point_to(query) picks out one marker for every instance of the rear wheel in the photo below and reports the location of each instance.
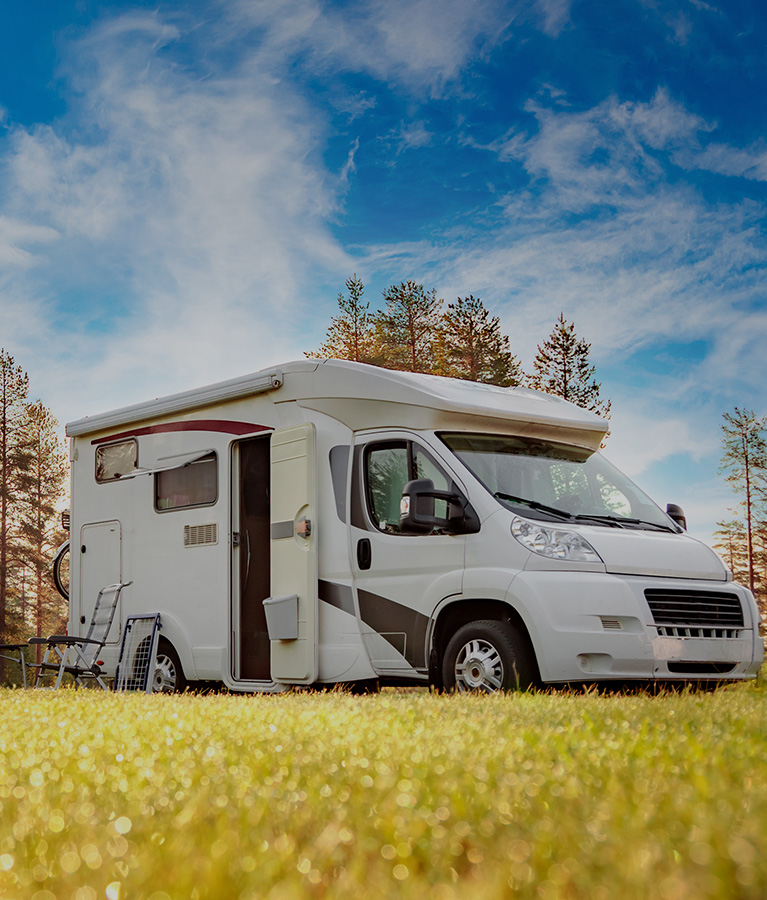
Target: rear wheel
(486, 657)
(168, 675)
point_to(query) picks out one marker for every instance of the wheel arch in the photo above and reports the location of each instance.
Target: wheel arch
(172, 631)
(460, 612)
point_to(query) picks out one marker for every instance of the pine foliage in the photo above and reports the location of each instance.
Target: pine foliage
(470, 345)
(351, 334)
(407, 327)
(744, 465)
(33, 469)
(14, 384)
(40, 530)
(561, 367)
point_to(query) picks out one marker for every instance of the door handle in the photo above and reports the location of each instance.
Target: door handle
(364, 553)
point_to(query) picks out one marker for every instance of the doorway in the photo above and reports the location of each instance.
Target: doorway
(254, 560)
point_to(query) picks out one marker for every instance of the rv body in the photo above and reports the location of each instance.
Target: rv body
(264, 519)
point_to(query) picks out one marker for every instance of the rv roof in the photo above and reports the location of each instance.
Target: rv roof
(364, 396)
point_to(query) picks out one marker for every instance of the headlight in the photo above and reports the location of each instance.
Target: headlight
(553, 542)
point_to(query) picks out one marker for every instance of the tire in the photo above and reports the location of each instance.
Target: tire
(168, 675)
(486, 657)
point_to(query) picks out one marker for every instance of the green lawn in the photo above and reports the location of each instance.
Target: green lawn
(401, 795)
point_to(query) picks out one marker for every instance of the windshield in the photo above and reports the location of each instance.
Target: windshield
(552, 481)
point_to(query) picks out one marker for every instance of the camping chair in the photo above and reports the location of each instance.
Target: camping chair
(76, 656)
(138, 654)
(6, 649)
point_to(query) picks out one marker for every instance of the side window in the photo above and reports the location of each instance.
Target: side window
(195, 484)
(426, 467)
(388, 468)
(115, 460)
(386, 473)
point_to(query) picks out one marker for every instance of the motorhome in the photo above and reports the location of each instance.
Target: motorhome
(325, 522)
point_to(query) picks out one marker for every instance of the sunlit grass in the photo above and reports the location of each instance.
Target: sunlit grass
(395, 795)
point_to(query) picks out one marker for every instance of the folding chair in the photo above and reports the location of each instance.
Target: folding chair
(6, 649)
(76, 656)
(138, 654)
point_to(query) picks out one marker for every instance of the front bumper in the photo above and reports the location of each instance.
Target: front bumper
(588, 626)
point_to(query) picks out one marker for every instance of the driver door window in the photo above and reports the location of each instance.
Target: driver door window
(388, 468)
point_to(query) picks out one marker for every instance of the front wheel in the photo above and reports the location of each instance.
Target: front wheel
(168, 675)
(487, 656)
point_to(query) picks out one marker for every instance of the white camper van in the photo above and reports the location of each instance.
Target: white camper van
(326, 521)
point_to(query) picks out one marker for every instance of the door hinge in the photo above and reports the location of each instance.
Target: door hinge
(235, 538)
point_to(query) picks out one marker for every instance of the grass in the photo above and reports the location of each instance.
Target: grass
(407, 795)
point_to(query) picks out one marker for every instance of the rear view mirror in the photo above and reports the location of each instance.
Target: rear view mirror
(676, 514)
(417, 510)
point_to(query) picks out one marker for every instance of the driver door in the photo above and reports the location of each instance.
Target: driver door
(399, 578)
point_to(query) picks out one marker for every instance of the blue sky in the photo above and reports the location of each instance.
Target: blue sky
(184, 188)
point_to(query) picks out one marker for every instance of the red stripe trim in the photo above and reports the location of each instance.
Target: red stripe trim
(223, 426)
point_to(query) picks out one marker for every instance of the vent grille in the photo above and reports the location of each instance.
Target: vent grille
(686, 631)
(200, 535)
(611, 624)
(695, 613)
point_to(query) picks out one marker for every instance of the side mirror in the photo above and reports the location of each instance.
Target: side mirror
(676, 514)
(417, 510)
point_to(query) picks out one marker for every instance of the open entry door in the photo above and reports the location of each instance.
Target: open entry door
(293, 602)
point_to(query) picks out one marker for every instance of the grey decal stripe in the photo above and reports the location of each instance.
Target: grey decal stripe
(338, 595)
(281, 530)
(388, 617)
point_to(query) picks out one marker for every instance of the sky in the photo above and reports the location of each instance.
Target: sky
(186, 186)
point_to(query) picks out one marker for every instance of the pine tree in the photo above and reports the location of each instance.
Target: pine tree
(760, 565)
(561, 367)
(744, 460)
(42, 488)
(407, 328)
(351, 334)
(731, 542)
(470, 345)
(14, 384)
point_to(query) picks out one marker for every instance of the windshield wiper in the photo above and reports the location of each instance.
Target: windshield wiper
(620, 520)
(534, 504)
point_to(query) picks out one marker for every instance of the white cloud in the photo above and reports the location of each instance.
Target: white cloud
(412, 135)
(16, 236)
(424, 46)
(748, 162)
(209, 197)
(643, 434)
(642, 259)
(555, 15)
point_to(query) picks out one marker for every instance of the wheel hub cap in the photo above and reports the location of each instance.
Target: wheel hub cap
(478, 667)
(164, 676)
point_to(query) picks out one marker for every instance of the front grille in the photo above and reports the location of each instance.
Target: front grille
(694, 611)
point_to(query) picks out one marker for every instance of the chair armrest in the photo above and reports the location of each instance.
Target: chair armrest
(13, 646)
(68, 639)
